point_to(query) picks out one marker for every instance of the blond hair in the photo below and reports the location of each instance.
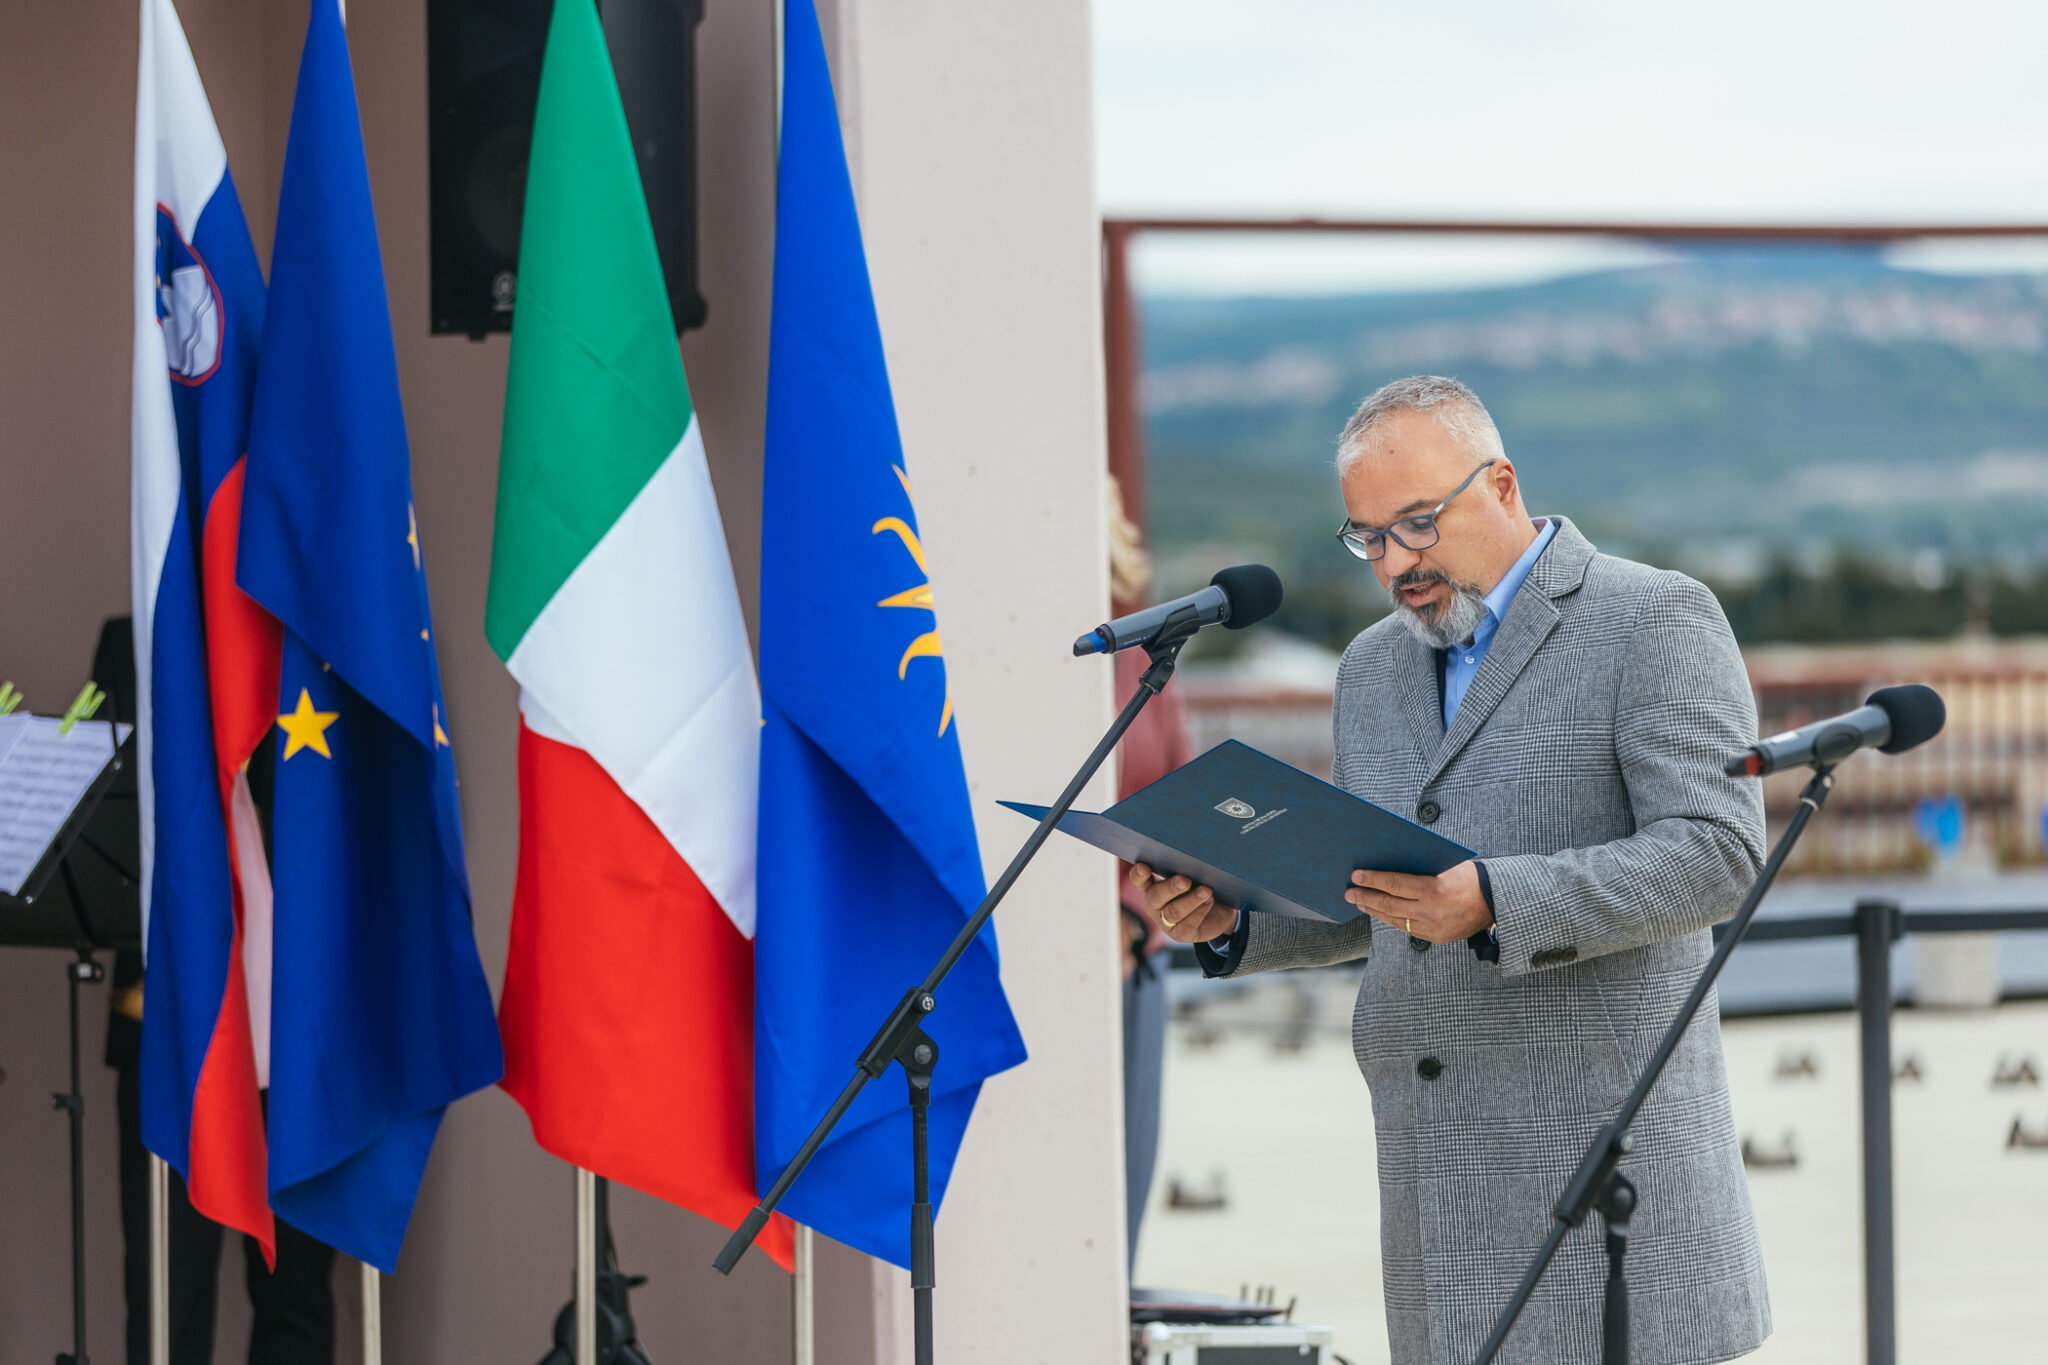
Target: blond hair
(1130, 568)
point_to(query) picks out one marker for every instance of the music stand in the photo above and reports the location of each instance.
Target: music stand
(74, 898)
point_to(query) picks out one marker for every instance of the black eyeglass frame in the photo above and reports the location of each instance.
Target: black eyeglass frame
(1355, 538)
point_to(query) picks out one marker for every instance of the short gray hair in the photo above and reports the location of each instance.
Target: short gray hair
(1456, 407)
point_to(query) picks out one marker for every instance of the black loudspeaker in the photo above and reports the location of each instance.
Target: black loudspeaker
(654, 51)
(483, 77)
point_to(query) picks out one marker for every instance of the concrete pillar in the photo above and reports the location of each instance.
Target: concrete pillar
(972, 135)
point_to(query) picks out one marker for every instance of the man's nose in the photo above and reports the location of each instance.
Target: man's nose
(1398, 559)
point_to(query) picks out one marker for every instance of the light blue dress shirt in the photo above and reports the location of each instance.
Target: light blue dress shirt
(1461, 663)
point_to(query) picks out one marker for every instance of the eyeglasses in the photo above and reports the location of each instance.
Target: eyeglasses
(1418, 532)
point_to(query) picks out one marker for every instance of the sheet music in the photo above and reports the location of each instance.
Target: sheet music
(43, 776)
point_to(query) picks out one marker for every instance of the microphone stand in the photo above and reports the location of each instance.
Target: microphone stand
(902, 1040)
(1599, 1183)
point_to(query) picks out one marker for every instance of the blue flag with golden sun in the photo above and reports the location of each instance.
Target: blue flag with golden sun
(867, 860)
(380, 1013)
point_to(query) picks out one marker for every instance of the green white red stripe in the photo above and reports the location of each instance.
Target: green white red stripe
(628, 1004)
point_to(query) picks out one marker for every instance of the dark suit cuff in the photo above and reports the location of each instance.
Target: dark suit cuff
(1222, 963)
(1485, 946)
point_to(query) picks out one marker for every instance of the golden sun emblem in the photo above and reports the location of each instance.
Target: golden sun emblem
(925, 646)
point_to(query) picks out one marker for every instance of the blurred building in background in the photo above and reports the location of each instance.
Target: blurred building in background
(1977, 795)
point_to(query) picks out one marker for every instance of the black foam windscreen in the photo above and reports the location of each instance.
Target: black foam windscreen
(1254, 593)
(1916, 712)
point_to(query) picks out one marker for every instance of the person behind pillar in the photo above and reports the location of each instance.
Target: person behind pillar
(1154, 746)
(292, 1309)
(1564, 713)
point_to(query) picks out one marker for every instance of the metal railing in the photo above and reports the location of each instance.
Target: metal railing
(1876, 925)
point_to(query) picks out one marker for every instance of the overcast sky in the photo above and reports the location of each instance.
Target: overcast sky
(1897, 110)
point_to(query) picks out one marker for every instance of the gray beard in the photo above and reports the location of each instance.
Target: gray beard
(1450, 624)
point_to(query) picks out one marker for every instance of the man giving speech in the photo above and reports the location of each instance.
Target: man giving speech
(1565, 713)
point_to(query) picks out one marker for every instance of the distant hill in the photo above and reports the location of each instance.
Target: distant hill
(1716, 412)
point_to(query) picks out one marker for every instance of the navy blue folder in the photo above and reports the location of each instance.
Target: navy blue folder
(1262, 833)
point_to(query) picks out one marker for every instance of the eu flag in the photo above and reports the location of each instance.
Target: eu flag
(381, 1014)
(868, 864)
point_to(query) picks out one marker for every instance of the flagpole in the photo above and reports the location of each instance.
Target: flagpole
(373, 1315)
(586, 1267)
(804, 1286)
(803, 1283)
(159, 1261)
(373, 1286)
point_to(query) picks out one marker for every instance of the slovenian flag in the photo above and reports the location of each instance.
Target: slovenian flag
(206, 657)
(628, 999)
(382, 1016)
(868, 862)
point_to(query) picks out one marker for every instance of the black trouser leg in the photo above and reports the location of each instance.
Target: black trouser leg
(294, 1306)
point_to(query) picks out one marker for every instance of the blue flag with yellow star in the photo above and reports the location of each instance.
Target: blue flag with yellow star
(380, 1013)
(867, 862)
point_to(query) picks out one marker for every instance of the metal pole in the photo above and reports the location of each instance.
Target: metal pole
(373, 1315)
(923, 1271)
(804, 1288)
(586, 1267)
(1877, 928)
(1856, 233)
(73, 1104)
(159, 1261)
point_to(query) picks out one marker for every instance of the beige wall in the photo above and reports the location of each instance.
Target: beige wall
(67, 114)
(972, 136)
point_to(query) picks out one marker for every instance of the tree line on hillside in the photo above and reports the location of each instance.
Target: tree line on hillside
(1851, 598)
(1856, 598)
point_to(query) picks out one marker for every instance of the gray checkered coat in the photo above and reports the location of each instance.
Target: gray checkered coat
(1584, 766)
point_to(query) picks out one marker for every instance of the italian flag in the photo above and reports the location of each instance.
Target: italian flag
(628, 1005)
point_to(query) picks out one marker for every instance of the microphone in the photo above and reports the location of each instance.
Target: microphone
(1235, 598)
(1891, 720)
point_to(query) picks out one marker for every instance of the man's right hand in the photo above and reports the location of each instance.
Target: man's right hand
(1189, 913)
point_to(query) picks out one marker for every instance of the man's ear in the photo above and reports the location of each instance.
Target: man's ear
(1505, 485)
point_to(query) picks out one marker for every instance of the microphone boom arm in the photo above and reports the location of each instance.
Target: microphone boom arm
(901, 1039)
(1600, 1167)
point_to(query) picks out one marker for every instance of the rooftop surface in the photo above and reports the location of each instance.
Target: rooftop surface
(1290, 1131)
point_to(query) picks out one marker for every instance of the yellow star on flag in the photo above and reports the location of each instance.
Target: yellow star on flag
(305, 728)
(412, 534)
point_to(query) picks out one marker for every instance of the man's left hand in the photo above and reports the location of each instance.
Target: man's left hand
(1447, 908)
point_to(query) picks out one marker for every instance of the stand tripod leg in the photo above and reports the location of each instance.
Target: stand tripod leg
(919, 1056)
(1617, 1201)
